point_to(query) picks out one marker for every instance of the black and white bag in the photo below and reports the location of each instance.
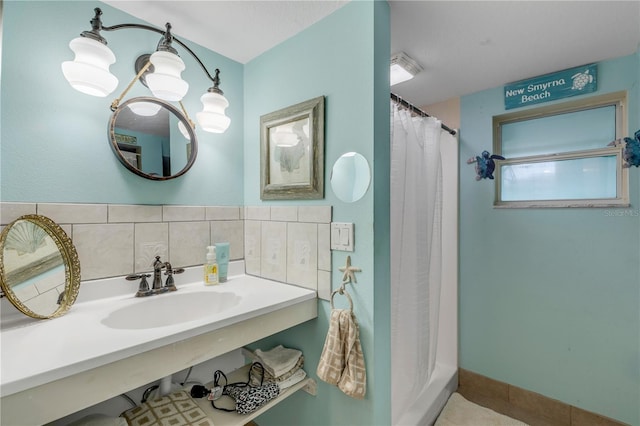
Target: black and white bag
(247, 398)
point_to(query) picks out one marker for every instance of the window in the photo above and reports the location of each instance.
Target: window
(558, 155)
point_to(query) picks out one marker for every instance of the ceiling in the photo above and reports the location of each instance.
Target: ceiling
(463, 46)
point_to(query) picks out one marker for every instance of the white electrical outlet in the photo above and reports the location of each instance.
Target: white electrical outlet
(342, 236)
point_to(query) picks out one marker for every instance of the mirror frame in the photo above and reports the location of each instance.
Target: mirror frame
(69, 257)
(116, 150)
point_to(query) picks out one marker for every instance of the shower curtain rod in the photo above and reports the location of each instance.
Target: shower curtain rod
(418, 111)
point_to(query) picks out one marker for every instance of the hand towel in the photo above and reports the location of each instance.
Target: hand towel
(342, 361)
(257, 376)
(278, 360)
(296, 377)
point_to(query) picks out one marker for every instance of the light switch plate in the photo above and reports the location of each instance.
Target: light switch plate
(342, 236)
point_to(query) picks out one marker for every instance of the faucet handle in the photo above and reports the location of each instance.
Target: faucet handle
(143, 288)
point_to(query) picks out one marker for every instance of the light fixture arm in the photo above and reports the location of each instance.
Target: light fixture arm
(96, 27)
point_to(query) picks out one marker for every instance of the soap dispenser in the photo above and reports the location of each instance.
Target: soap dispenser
(211, 267)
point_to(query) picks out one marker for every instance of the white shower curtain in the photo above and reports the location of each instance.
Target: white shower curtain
(416, 253)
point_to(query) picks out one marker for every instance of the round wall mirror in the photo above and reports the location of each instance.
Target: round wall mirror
(152, 138)
(39, 267)
(350, 177)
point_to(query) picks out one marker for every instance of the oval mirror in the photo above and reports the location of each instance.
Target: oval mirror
(39, 267)
(152, 138)
(350, 177)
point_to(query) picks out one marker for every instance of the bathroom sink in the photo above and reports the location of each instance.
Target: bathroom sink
(169, 309)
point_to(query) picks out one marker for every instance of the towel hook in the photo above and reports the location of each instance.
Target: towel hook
(342, 291)
(349, 273)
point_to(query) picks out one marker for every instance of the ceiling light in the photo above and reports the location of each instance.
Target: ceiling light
(403, 68)
(89, 71)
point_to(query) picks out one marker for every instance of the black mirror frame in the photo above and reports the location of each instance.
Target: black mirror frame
(172, 109)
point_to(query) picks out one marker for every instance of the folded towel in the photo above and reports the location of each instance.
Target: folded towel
(258, 376)
(342, 361)
(278, 360)
(296, 377)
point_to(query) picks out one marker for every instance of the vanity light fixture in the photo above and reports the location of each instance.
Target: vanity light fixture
(403, 68)
(160, 72)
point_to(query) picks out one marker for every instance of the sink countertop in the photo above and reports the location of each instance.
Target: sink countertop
(79, 341)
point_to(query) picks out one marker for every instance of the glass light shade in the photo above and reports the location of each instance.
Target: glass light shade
(212, 118)
(165, 81)
(89, 71)
(146, 109)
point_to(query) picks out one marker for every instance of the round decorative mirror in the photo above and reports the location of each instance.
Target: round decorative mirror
(39, 267)
(152, 138)
(350, 177)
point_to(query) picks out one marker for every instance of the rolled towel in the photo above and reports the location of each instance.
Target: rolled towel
(278, 360)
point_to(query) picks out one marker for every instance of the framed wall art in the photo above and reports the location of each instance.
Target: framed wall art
(292, 152)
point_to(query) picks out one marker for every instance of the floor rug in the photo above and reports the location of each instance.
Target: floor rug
(460, 412)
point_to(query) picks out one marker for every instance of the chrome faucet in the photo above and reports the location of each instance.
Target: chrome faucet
(157, 286)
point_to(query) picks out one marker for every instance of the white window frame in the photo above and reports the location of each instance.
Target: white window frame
(617, 99)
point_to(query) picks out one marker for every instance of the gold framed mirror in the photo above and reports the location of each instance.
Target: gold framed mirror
(39, 267)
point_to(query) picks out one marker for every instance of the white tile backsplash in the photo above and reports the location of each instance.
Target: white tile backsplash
(302, 254)
(11, 211)
(285, 243)
(252, 246)
(134, 213)
(105, 250)
(284, 214)
(222, 213)
(151, 240)
(182, 213)
(324, 247)
(232, 232)
(318, 214)
(74, 213)
(188, 243)
(257, 213)
(273, 264)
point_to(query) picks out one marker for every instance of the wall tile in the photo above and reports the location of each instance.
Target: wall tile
(324, 285)
(273, 264)
(188, 243)
(134, 213)
(151, 240)
(182, 213)
(302, 254)
(74, 213)
(105, 250)
(222, 213)
(257, 213)
(11, 211)
(252, 246)
(317, 214)
(231, 231)
(284, 213)
(324, 247)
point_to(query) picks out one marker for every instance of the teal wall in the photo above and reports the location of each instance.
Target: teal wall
(345, 58)
(54, 148)
(54, 145)
(550, 298)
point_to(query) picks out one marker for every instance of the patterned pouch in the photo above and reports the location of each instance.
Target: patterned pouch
(248, 398)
